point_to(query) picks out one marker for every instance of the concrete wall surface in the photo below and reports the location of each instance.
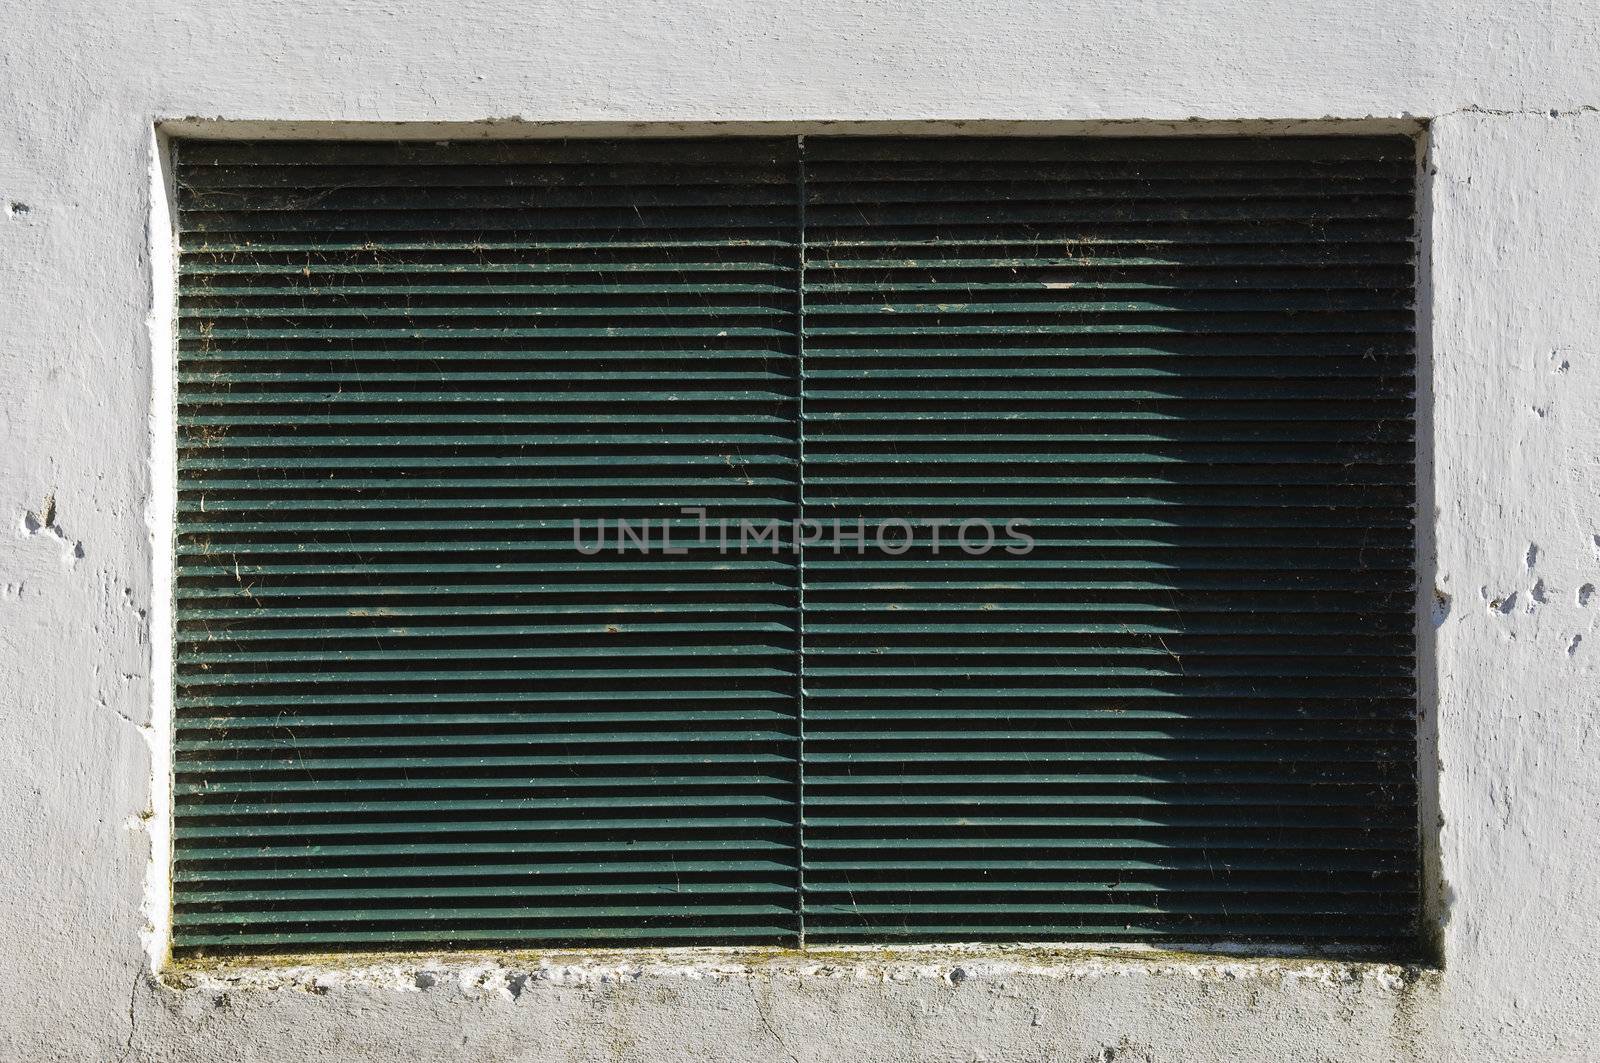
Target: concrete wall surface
(1510, 92)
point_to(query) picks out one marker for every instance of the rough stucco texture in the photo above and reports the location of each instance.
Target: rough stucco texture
(1510, 649)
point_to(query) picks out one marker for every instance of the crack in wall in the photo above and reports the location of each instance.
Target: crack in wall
(1553, 112)
(133, 1020)
(766, 1024)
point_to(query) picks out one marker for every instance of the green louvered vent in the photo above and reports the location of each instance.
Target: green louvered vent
(1188, 711)
(411, 713)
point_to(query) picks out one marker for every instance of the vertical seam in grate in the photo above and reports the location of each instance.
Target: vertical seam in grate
(800, 561)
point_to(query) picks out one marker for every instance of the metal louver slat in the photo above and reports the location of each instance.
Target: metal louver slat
(409, 712)
(1187, 712)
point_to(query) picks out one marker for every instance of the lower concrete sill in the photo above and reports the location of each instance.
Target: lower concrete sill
(509, 974)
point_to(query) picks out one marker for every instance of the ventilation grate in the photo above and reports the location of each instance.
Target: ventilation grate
(410, 713)
(1187, 709)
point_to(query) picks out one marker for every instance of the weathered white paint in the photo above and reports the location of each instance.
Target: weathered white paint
(161, 514)
(1511, 88)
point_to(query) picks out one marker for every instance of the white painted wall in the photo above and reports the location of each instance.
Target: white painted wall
(1511, 87)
